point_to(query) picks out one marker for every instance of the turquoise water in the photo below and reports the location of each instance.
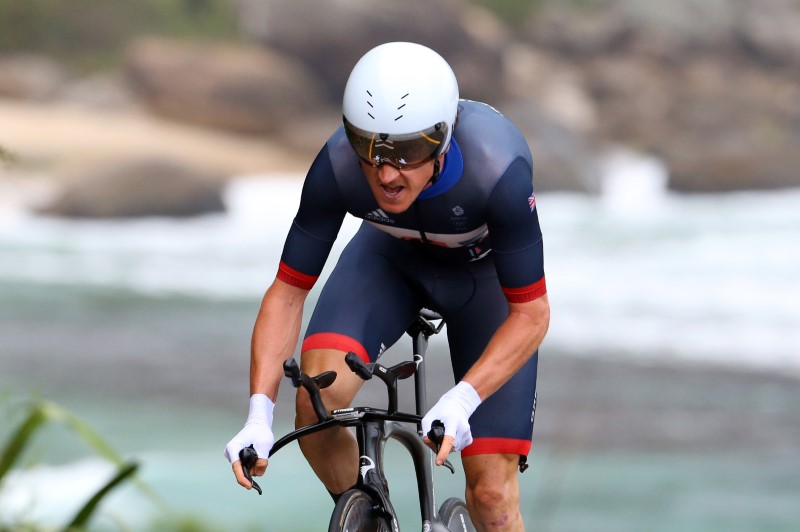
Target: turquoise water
(562, 491)
(162, 378)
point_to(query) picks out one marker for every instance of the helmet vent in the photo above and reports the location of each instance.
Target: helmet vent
(402, 98)
(371, 106)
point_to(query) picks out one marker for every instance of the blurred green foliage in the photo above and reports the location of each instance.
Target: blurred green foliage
(512, 12)
(28, 421)
(6, 157)
(43, 413)
(90, 34)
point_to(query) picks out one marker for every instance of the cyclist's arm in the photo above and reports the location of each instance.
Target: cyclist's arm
(275, 336)
(277, 327)
(305, 252)
(512, 345)
(513, 221)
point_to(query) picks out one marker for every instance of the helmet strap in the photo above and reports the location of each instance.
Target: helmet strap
(435, 177)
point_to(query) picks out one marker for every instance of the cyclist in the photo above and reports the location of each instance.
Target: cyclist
(444, 187)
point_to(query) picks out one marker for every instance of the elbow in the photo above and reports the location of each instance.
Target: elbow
(543, 314)
(535, 314)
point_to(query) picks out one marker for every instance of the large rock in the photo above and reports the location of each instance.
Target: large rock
(719, 123)
(599, 27)
(153, 187)
(329, 36)
(238, 88)
(707, 86)
(30, 76)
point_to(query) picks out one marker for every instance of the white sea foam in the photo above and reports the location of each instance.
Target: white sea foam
(711, 278)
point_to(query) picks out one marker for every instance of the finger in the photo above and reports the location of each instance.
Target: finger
(239, 474)
(445, 449)
(427, 441)
(260, 468)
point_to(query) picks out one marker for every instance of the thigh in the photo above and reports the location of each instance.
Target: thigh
(367, 302)
(503, 423)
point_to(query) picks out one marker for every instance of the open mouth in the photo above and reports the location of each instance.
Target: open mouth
(392, 192)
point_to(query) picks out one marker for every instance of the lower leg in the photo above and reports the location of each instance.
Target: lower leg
(493, 492)
(331, 453)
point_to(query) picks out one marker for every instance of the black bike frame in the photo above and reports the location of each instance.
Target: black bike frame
(374, 427)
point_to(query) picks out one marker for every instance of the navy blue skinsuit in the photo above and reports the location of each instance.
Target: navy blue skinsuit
(468, 245)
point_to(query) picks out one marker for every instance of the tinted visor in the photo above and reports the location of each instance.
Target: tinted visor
(403, 151)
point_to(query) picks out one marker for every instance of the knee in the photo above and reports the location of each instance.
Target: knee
(498, 499)
(339, 394)
(331, 399)
(493, 492)
(304, 409)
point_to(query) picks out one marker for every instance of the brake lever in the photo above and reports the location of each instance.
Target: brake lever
(436, 435)
(248, 456)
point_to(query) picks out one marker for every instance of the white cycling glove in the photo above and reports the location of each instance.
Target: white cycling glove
(453, 410)
(257, 430)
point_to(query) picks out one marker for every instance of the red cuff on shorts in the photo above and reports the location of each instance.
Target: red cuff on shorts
(335, 341)
(497, 446)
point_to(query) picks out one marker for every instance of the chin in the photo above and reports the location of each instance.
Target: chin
(394, 208)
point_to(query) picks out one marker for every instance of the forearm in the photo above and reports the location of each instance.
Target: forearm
(512, 345)
(275, 336)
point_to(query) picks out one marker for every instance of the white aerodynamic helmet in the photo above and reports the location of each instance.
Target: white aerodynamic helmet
(400, 105)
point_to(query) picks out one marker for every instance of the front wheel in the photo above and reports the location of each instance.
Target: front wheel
(455, 517)
(356, 511)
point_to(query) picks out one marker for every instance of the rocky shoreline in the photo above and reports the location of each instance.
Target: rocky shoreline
(711, 90)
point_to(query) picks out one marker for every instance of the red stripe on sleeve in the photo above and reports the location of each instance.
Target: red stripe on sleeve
(497, 446)
(524, 294)
(335, 341)
(290, 276)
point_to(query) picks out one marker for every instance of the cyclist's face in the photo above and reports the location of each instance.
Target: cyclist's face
(395, 189)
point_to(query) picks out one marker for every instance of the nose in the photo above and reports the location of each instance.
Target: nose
(387, 173)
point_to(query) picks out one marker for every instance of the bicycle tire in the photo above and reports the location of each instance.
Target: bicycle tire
(454, 515)
(356, 512)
